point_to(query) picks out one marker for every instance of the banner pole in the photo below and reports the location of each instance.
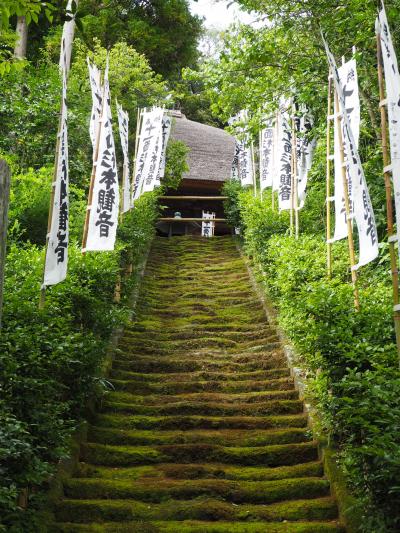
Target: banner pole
(347, 207)
(93, 175)
(388, 190)
(328, 180)
(260, 161)
(254, 168)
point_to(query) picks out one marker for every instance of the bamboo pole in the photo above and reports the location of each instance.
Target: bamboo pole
(254, 168)
(93, 175)
(328, 181)
(260, 160)
(389, 198)
(352, 255)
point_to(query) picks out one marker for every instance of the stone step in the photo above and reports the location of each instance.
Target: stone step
(244, 438)
(274, 455)
(186, 422)
(182, 387)
(201, 527)
(121, 365)
(256, 492)
(206, 509)
(165, 471)
(271, 407)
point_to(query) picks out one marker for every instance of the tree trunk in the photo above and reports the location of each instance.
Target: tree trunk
(22, 38)
(4, 197)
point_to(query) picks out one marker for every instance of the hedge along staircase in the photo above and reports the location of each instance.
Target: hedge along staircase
(204, 431)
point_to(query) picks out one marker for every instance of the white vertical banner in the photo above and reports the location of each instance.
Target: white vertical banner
(150, 143)
(392, 81)
(97, 98)
(275, 169)
(284, 160)
(123, 125)
(305, 152)
(267, 150)
(362, 207)
(68, 37)
(208, 226)
(104, 210)
(57, 245)
(166, 132)
(235, 162)
(348, 78)
(246, 171)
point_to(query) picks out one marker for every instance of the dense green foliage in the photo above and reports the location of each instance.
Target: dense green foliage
(349, 356)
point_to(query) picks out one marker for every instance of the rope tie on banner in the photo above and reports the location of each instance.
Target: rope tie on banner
(388, 168)
(396, 308)
(383, 102)
(393, 238)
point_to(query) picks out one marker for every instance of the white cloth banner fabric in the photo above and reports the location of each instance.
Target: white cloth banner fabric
(208, 226)
(305, 146)
(235, 162)
(103, 219)
(267, 150)
(392, 80)
(97, 99)
(284, 162)
(123, 124)
(275, 169)
(246, 170)
(166, 131)
(57, 246)
(349, 80)
(362, 207)
(148, 154)
(67, 39)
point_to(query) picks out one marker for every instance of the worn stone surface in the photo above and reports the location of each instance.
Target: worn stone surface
(204, 431)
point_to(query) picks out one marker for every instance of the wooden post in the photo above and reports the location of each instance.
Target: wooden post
(389, 200)
(328, 180)
(347, 207)
(4, 199)
(259, 161)
(254, 168)
(93, 175)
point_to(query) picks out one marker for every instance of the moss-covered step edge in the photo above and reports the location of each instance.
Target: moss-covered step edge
(168, 471)
(227, 437)
(350, 509)
(158, 491)
(200, 527)
(199, 422)
(207, 509)
(274, 455)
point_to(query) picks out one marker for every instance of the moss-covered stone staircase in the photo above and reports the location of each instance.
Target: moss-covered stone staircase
(205, 431)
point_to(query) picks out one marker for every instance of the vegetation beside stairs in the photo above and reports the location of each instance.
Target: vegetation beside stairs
(204, 430)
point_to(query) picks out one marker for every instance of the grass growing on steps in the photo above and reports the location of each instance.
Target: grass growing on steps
(204, 430)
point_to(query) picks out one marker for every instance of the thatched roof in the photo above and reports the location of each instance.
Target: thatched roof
(211, 149)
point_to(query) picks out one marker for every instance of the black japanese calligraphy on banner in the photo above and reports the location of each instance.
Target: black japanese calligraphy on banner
(284, 161)
(149, 151)
(267, 151)
(57, 247)
(362, 207)
(305, 146)
(349, 80)
(123, 123)
(97, 98)
(235, 162)
(166, 131)
(103, 219)
(392, 81)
